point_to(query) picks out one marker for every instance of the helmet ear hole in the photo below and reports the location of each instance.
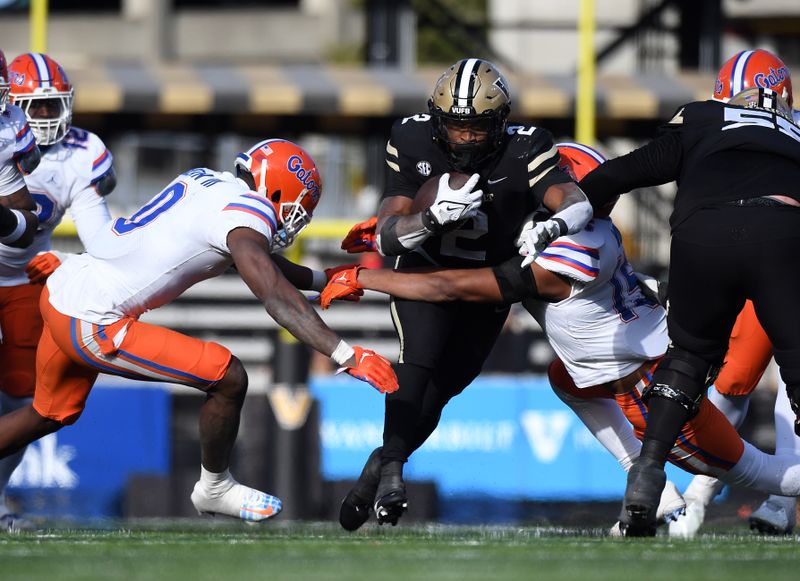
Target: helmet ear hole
(276, 196)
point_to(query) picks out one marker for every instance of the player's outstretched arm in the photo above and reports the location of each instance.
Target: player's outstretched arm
(305, 278)
(502, 284)
(292, 311)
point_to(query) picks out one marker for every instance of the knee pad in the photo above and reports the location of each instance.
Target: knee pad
(683, 378)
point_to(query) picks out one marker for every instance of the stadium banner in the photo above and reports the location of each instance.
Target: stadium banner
(505, 437)
(82, 470)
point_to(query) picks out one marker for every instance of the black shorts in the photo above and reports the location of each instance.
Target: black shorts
(721, 256)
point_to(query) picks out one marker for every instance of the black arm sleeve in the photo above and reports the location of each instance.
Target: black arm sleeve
(655, 163)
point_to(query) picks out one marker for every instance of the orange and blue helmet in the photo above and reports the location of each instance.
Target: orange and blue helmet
(285, 174)
(578, 160)
(753, 68)
(41, 88)
(4, 84)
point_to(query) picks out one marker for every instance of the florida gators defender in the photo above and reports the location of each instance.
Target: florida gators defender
(19, 155)
(199, 225)
(609, 336)
(75, 172)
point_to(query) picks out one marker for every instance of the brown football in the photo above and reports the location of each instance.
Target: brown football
(427, 191)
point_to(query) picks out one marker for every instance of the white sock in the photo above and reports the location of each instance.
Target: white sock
(779, 475)
(786, 441)
(733, 407)
(608, 424)
(216, 483)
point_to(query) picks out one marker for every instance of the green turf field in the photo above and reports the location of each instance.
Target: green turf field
(222, 552)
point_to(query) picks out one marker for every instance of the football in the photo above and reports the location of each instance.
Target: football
(427, 191)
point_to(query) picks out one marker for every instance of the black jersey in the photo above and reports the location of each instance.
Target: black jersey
(716, 152)
(513, 183)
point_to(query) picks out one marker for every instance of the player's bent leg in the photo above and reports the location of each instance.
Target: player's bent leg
(602, 416)
(9, 520)
(355, 507)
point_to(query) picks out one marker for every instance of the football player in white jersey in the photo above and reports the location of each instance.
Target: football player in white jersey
(608, 334)
(19, 155)
(75, 172)
(202, 223)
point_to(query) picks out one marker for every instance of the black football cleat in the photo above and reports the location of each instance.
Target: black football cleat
(390, 499)
(646, 480)
(355, 508)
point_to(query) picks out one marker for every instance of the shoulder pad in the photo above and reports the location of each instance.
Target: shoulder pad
(576, 256)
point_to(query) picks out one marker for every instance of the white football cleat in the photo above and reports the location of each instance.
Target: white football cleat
(773, 518)
(671, 505)
(238, 501)
(687, 524)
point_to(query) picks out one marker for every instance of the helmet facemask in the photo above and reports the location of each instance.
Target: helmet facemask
(49, 114)
(293, 220)
(4, 88)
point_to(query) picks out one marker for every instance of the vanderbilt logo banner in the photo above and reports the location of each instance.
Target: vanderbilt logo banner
(290, 406)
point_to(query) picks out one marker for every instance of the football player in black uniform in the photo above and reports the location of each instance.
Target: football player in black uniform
(444, 346)
(735, 234)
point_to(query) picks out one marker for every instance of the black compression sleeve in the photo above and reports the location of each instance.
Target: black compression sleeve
(516, 283)
(8, 221)
(389, 242)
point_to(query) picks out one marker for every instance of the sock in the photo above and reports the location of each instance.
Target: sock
(734, 407)
(786, 441)
(608, 424)
(216, 483)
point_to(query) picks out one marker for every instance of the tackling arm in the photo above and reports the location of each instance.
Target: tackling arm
(292, 311)
(503, 284)
(283, 302)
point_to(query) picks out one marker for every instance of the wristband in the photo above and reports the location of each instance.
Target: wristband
(342, 353)
(430, 223)
(318, 280)
(18, 231)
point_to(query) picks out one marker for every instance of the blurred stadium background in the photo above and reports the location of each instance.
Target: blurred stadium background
(174, 84)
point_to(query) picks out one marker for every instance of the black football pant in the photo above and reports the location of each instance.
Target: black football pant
(442, 349)
(720, 257)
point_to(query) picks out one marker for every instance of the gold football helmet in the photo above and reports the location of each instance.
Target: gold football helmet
(471, 97)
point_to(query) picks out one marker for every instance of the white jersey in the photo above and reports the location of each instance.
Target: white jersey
(174, 241)
(607, 328)
(64, 179)
(16, 138)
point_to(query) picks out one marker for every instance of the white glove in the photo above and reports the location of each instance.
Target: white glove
(537, 239)
(454, 205)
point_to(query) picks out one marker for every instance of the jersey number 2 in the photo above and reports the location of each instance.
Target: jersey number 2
(151, 210)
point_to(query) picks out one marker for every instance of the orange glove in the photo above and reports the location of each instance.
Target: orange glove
(374, 369)
(343, 285)
(361, 237)
(333, 271)
(42, 266)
